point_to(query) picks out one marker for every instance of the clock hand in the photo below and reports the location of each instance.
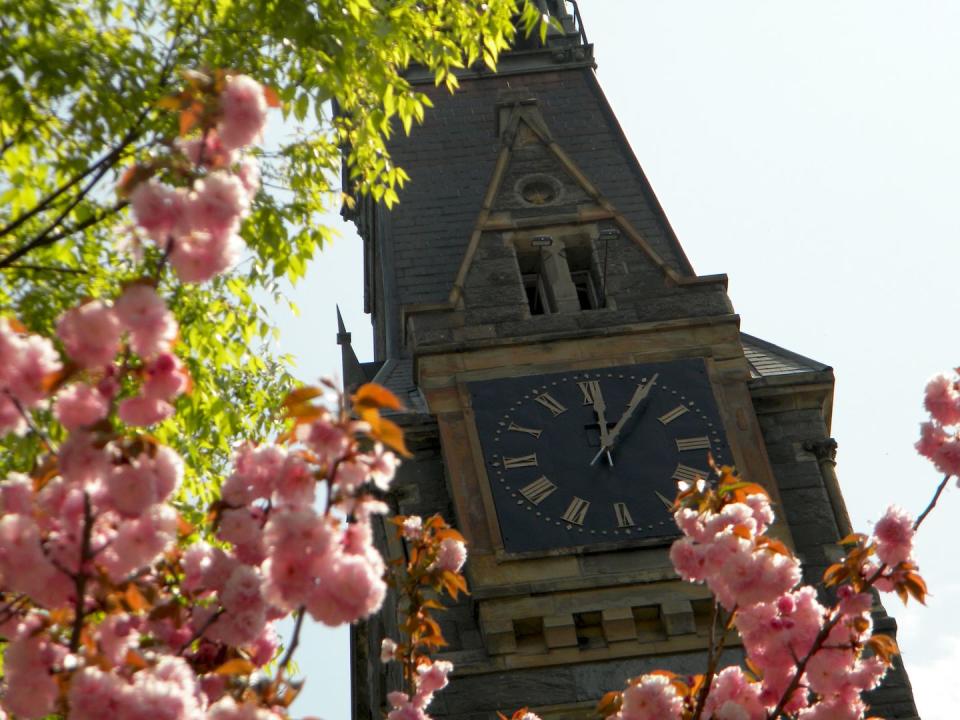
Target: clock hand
(600, 408)
(636, 402)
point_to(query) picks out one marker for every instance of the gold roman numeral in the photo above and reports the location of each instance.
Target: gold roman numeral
(591, 391)
(669, 417)
(511, 463)
(694, 443)
(623, 515)
(688, 474)
(667, 503)
(550, 403)
(538, 491)
(529, 431)
(576, 511)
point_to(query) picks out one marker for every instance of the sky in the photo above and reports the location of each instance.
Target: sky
(811, 152)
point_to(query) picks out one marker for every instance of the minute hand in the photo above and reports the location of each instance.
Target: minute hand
(636, 401)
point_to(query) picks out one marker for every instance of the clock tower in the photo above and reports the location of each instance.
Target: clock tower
(562, 367)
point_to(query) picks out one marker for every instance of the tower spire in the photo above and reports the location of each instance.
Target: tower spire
(352, 370)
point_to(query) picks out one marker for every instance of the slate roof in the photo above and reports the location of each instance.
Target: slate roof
(450, 160)
(396, 375)
(767, 359)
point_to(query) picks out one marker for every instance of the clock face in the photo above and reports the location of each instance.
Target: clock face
(593, 457)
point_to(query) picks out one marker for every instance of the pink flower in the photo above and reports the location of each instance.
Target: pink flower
(16, 494)
(733, 697)
(351, 588)
(79, 405)
(244, 112)
(329, 441)
(158, 209)
(116, 635)
(83, 462)
(412, 527)
(166, 377)
(433, 677)
(264, 647)
(140, 542)
(946, 458)
(90, 334)
(894, 535)
(143, 411)
(932, 437)
(388, 650)
(200, 256)
(31, 689)
(248, 171)
(145, 316)
(95, 695)
(256, 469)
(652, 697)
(451, 555)
(246, 610)
(217, 203)
(942, 399)
(213, 155)
(227, 709)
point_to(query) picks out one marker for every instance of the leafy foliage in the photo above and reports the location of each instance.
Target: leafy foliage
(85, 89)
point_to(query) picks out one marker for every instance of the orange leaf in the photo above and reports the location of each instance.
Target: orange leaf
(273, 100)
(237, 666)
(386, 431)
(135, 599)
(884, 646)
(610, 704)
(135, 660)
(301, 395)
(372, 395)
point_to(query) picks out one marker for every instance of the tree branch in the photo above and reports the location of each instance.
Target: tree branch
(933, 501)
(80, 579)
(294, 642)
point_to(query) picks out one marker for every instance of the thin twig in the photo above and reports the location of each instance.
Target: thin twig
(716, 651)
(45, 268)
(294, 642)
(80, 579)
(933, 501)
(201, 630)
(34, 428)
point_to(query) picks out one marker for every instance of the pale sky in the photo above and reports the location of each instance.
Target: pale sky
(811, 152)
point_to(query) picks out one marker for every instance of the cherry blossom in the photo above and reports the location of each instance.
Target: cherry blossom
(90, 333)
(244, 112)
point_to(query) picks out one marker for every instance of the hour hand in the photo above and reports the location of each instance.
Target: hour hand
(592, 395)
(635, 404)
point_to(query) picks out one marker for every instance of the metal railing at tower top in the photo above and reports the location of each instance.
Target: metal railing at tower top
(578, 21)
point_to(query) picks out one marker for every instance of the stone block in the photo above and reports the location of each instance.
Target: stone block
(678, 617)
(559, 631)
(499, 636)
(618, 624)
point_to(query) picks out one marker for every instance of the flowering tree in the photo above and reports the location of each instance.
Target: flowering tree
(119, 599)
(81, 88)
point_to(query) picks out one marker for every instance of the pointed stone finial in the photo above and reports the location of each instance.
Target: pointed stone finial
(343, 337)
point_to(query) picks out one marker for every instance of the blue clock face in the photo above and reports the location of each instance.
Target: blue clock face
(592, 458)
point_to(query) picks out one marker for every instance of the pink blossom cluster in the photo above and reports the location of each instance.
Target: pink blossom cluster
(722, 550)
(781, 624)
(103, 519)
(940, 436)
(650, 697)
(26, 361)
(431, 677)
(92, 334)
(198, 225)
